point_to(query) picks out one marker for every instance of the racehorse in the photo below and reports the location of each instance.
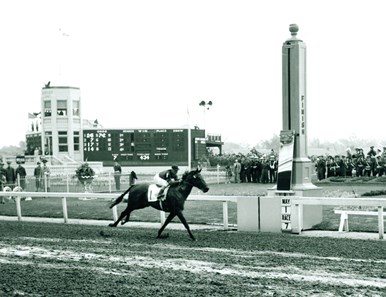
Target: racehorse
(173, 203)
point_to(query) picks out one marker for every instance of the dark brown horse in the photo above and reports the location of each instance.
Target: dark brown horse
(173, 202)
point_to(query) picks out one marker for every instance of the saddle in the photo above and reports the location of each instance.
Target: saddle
(153, 190)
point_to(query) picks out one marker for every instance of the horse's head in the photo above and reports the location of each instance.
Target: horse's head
(195, 178)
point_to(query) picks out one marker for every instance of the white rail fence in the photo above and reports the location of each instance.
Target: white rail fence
(109, 196)
(297, 204)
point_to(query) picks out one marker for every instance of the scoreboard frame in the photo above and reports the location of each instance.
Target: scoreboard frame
(142, 147)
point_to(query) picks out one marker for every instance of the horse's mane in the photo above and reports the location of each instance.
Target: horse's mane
(186, 173)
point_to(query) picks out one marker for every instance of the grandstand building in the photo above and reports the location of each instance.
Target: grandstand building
(60, 132)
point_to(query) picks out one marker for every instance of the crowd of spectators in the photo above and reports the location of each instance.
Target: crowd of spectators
(253, 167)
(256, 167)
(357, 163)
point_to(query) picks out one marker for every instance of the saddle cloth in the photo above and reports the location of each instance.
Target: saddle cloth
(152, 192)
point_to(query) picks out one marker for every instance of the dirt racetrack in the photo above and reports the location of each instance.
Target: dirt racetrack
(40, 259)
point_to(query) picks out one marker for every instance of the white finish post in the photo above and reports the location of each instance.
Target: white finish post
(225, 214)
(65, 214)
(18, 207)
(68, 183)
(45, 183)
(110, 182)
(162, 215)
(115, 213)
(381, 226)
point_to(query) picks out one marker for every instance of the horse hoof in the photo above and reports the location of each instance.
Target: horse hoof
(123, 222)
(163, 236)
(112, 225)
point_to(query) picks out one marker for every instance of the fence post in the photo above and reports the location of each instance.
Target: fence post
(67, 183)
(381, 227)
(18, 207)
(110, 182)
(162, 215)
(64, 204)
(225, 214)
(45, 183)
(115, 213)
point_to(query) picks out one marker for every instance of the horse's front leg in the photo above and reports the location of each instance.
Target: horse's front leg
(168, 220)
(185, 223)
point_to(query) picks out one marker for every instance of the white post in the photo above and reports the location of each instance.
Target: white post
(64, 204)
(189, 142)
(68, 182)
(110, 182)
(45, 183)
(225, 214)
(18, 207)
(115, 213)
(162, 215)
(381, 227)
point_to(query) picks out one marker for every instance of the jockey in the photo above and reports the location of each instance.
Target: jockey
(166, 178)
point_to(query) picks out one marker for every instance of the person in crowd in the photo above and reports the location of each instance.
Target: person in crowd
(273, 166)
(330, 164)
(21, 174)
(349, 167)
(166, 178)
(10, 175)
(380, 165)
(343, 166)
(320, 168)
(85, 174)
(236, 171)
(117, 175)
(372, 151)
(38, 174)
(228, 174)
(265, 171)
(46, 172)
(367, 166)
(359, 165)
(243, 170)
(3, 180)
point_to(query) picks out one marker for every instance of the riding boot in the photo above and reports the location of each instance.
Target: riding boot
(161, 193)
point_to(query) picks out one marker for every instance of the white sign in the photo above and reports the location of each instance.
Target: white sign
(286, 213)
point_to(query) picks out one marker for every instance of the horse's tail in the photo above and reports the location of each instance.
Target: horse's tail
(119, 198)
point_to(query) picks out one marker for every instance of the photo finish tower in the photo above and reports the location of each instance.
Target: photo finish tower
(273, 212)
(295, 108)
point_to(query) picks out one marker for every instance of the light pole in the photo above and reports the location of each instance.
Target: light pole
(206, 106)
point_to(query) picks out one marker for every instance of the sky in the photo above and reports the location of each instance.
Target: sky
(143, 64)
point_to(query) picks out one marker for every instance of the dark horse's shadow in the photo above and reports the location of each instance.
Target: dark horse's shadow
(173, 202)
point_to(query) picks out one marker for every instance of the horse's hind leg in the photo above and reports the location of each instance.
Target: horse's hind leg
(168, 220)
(125, 213)
(126, 219)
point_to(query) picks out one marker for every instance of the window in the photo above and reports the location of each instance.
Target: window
(47, 108)
(62, 107)
(76, 140)
(63, 146)
(75, 108)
